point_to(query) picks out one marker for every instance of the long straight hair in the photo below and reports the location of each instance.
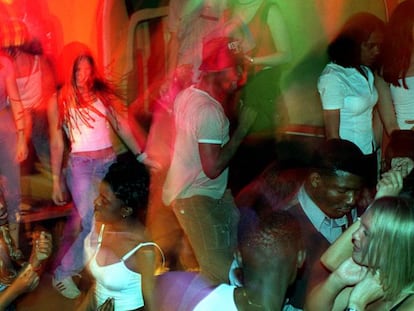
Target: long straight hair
(391, 245)
(398, 44)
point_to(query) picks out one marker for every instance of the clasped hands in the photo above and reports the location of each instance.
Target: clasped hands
(366, 284)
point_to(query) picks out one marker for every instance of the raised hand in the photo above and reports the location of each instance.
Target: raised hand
(350, 273)
(403, 164)
(390, 184)
(366, 291)
(43, 245)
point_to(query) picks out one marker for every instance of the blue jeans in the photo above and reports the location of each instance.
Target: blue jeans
(84, 176)
(211, 227)
(40, 135)
(9, 167)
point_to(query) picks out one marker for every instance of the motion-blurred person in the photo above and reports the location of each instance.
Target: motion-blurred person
(188, 23)
(36, 83)
(261, 28)
(269, 49)
(86, 108)
(14, 147)
(196, 182)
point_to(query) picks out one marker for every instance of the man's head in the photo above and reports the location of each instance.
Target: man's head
(336, 177)
(221, 60)
(272, 249)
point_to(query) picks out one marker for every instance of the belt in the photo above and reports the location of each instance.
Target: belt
(101, 153)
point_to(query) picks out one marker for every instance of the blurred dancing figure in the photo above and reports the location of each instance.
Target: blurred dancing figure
(86, 108)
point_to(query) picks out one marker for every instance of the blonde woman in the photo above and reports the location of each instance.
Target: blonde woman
(379, 275)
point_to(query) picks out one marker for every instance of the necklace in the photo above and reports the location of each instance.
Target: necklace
(249, 302)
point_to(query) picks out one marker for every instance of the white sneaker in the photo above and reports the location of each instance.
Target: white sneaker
(66, 287)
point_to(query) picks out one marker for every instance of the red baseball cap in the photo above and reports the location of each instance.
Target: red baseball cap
(220, 53)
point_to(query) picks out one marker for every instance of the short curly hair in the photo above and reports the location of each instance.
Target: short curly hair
(129, 180)
(275, 236)
(337, 154)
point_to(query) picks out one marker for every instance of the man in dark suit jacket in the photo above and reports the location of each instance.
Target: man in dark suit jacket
(325, 206)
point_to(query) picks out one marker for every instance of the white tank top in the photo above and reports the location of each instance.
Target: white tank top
(30, 87)
(117, 280)
(91, 129)
(404, 103)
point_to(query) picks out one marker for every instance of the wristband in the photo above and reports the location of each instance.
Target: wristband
(141, 157)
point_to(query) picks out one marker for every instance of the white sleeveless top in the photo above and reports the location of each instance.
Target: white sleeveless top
(117, 280)
(404, 103)
(30, 87)
(91, 129)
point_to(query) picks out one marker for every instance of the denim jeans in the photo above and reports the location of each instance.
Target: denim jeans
(84, 176)
(211, 227)
(9, 167)
(40, 135)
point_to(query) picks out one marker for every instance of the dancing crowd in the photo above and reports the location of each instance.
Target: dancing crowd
(209, 208)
